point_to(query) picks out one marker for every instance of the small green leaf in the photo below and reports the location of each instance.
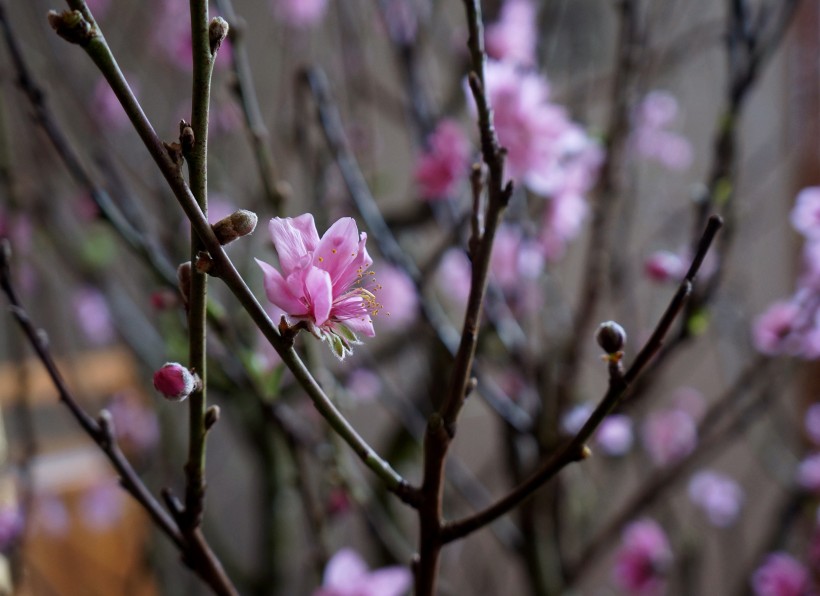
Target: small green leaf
(346, 333)
(337, 346)
(698, 323)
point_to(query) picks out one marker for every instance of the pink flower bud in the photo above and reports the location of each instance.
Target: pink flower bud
(174, 381)
(663, 266)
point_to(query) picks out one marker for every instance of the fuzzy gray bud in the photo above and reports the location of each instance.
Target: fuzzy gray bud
(217, 32)
(611, 337)
(237, 224)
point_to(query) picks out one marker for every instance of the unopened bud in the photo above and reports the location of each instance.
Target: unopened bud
(237, 224)
(174, 382)
(217, 32)
(611, 337)
(71, 26)
(186, 137)
(211, 417)
(184, 281)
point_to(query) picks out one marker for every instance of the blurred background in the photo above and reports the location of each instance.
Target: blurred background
(655, 113)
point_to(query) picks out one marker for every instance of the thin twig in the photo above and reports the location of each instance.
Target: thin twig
(575, 449)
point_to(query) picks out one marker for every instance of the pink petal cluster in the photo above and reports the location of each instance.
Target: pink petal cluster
(443, 165)
(513, 37)
(516, 264)
(299, 14)
(669, 435)
(718, 495)
(643, 559)
(652, 140)
(792, 326)
(320, 279)
(346, 574)
(781, 575)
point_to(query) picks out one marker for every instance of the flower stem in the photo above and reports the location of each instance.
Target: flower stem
(197, 159)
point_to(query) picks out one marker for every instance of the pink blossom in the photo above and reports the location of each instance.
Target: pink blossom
(811, 264)
(808, 473)
(650, 139)
(513, 37)
(174, 382)
(299, 14)
(772, 331)
(812, 423)
(346, 574)
(93, 316)
(720, 497)
(443, 165)
(780, 575)
(397, 294)
(319, 281)
(515, 259)
(643, 558)
(669, 435)
(805, 215)
(664, 266)
(542, 143)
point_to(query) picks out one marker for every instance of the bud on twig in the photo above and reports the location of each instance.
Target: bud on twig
(217, 32)
(211, 417)
(237, 224)
(71, 26)
(186, 137)
(611, 337)
(184, 281)
(175, 382)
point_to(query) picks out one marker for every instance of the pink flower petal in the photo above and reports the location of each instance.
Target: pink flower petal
(319, 293)
(279, 292)
(293, 240)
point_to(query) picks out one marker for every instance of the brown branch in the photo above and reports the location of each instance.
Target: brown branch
(575, 449)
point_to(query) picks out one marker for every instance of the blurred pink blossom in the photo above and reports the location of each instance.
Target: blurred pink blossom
(669, 435)
(172, 36)
(107, 107)
(442, 167)
(643, 559)
(363, 385)
(102, 506)
(812, 423)
(664, 266)
(513, 37)
(346, 574)
(398, 297)
(781, 575)
(11, 525)
(808, 473)
(720, 497)
(805, 215)
(614, 435)
(135, 423)
(299, 14)
(772, 331)
(514, 259)
(50, 515)
(92, 315)
(453, 276)
(691, 401)
(320, 277)
(650, 139)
